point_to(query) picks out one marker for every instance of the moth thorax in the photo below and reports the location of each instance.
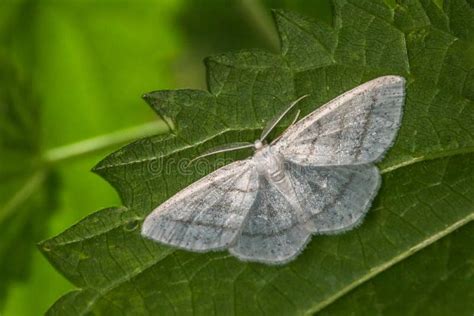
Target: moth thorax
(268, 162)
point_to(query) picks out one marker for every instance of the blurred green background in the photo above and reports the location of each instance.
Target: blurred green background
(86, 64)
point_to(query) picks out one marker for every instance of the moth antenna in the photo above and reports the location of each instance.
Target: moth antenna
(273, 122)
(292, 123)
(222, 149)
(296, 118)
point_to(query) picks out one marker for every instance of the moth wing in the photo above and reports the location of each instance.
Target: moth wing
(208, 214)
(334, 198)
(272, 232)
(331, 200)
(357, 127)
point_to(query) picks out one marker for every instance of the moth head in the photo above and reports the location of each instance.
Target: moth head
(258, 144)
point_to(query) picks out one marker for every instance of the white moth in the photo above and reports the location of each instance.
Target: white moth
(318, 177)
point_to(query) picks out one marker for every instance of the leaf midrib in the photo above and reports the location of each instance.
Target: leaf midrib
(386, 265)
(23, 194)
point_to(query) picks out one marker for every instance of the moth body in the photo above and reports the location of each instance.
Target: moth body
(318, 177)
(270, 164)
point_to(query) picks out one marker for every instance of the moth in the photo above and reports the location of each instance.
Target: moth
(317, 177)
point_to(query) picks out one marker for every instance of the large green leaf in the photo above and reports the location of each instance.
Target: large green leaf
(427, 191)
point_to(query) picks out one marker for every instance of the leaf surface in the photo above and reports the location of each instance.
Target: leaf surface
(427, 188)
(435, 281)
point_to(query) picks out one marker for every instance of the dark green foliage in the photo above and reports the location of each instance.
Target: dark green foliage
(26, 188)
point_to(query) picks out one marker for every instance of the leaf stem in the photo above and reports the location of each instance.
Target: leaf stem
(27, 190)
(257, 14)
(91, 145)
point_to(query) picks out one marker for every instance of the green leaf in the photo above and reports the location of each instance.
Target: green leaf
(435, 281)
(27, 188)
(427, 188)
